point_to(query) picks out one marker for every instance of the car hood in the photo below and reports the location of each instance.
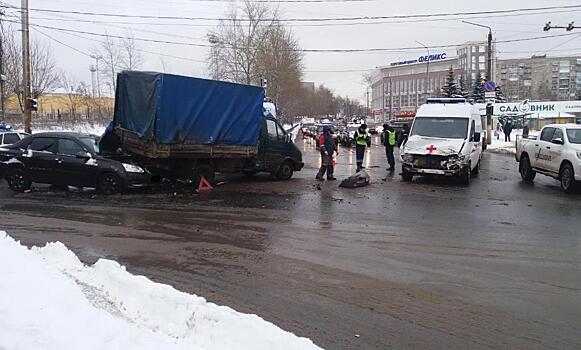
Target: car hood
(443, 147)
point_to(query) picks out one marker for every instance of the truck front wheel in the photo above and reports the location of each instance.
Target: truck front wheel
(568, 183)
(526, 171)
(285, 171)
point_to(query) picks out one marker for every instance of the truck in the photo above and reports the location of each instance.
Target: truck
(554, 152)
(186, 128)
(445, 139)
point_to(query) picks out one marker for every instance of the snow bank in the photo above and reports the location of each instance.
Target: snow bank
(85, 128)
(50, 300)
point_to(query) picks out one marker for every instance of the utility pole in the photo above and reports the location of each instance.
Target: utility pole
(488, 78)
(390, 99)
(27, 116)
(427, 69)
(2, 77)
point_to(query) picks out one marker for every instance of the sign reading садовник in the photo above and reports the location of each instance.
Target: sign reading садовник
(527, 107)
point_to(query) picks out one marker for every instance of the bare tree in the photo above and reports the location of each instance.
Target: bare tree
(131, 56)
(255, 45)
(44, 76)
(111, 56)
(70, 97)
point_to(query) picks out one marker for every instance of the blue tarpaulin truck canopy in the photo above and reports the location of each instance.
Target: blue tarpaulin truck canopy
(172, 109)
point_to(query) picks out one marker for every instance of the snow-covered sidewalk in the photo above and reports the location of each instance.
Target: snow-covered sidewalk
(50, 300)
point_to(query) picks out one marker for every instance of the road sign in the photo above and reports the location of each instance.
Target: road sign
(489, 86)
(490, 94)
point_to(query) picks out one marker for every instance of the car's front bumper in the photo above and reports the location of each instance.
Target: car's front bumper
(299, 166)
(138, 180)
(577, 170)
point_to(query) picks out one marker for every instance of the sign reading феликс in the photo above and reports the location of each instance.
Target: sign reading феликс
(422, 59)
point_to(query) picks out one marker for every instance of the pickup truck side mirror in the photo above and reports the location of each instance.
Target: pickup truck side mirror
(558, 141)
(476, 137)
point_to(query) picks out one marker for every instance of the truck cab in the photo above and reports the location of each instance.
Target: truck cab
(445, 139)
(277, 152)
(555, 152)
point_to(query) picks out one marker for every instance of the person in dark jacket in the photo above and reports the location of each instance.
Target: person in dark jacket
(327, 147)
(507, 131)
(388, 137)
(403, 135)
(362, 140)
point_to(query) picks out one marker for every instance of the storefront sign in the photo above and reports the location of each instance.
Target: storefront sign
(422, 59)
(527, 107)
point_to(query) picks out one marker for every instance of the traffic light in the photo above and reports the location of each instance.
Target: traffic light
(33, 104)
(571, 26)
(547, 27)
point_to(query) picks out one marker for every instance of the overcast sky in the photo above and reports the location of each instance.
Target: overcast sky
(318, 66)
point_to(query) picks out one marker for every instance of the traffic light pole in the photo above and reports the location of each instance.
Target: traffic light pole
(27, 116)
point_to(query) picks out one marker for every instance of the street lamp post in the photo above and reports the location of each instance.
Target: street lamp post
(488, 77)
(427, 68)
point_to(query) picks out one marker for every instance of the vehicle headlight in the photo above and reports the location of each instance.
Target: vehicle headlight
(130, 168)
(578, 154)
(408, 158)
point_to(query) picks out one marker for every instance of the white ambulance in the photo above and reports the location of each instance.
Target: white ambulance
(445, 139)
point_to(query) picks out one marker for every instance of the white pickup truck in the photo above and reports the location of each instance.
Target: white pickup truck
(555, 152)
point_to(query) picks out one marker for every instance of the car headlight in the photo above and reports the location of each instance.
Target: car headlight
(578, 154)
(130, 168)
(408, 158)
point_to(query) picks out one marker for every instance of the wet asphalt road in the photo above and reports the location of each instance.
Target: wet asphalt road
(426, 265)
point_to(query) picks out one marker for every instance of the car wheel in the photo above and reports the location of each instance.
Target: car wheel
(206, 171)
(18, 180)
(465, 176)
(526, 171)
(406, 175)
(285, 171)
(567, 176)
(476, 170)
(109, 183)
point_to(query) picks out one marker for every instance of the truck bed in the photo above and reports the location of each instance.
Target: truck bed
(149, 148)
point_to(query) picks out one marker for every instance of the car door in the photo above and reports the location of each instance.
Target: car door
(74, 169)
(542, 157)
(474, 144)
(555, 151)
(40, 159)
(274, 147)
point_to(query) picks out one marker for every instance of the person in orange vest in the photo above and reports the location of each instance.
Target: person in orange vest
(327, 147)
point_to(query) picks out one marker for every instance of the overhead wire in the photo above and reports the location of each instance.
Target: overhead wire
(320, 19)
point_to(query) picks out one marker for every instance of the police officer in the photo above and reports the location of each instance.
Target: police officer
(362, 140)
(327, 147)
(388, 140)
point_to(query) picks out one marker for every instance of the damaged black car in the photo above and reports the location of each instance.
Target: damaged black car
(66, 159)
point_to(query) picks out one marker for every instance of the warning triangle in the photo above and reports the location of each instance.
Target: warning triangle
(204, 185)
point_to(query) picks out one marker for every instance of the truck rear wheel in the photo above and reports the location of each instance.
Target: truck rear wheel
(568, 183)
(285, 171)
(526, 171)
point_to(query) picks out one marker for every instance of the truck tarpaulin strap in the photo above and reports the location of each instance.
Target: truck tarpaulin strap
(175, 109)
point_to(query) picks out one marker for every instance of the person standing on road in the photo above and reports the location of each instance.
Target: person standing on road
(327, 147)
(507, 131)
(404, 133)
(362, 140)
(388, 140)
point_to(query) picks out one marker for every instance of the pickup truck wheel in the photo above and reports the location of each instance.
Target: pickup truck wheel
(406, 175)
(18, 180)
(567, 178)
(110, 183)
(205, 170)
(285, 171)
(526, 171)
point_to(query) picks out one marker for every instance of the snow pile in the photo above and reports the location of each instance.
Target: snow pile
(84, 128)
(50, 300)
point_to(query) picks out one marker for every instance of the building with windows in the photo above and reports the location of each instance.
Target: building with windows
(540, 78)
(400, 87)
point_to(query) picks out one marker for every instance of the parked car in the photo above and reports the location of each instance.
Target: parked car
(10, 137)
(555, 152)
(66, 159)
